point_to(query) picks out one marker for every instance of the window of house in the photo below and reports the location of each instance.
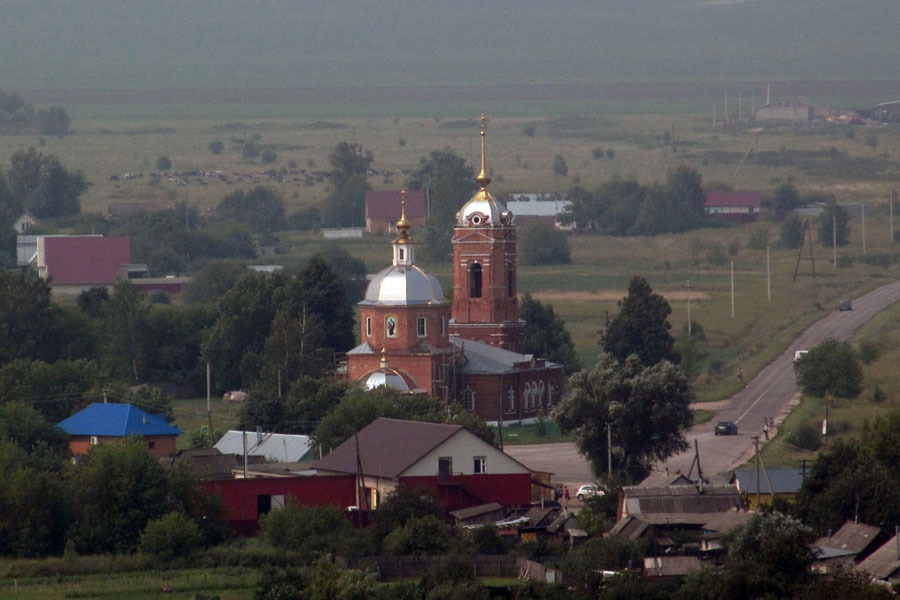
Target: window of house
(479, 464)
(151, 444)
(468, 400)
(475, 281)
(420, 326)
(368, 326)
(95, 441)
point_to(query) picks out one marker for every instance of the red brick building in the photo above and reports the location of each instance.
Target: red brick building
(470, 351)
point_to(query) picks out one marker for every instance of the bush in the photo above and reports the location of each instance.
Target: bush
(269, 156)
(528, 130)
(163, 163)
(806, 437)
(758, 240)
(171, 536)
(216, 146)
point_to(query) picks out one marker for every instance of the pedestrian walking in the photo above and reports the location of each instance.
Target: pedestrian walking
(566, 494)
(766, 427)
(741, 375)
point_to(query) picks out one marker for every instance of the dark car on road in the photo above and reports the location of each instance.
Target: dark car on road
(845, 305)
(726, 428)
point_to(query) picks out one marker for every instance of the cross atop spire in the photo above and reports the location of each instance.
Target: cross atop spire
(483, 178)
(403, 224)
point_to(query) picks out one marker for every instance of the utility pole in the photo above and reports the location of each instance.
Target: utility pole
(689, 307)
(732, 289)
(768, 275)
(862, 209)
(834, 235)
(756, 445)
(825, 422)
(208, 396)
(891, 204)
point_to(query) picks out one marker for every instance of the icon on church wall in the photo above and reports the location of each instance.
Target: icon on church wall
(390, 325)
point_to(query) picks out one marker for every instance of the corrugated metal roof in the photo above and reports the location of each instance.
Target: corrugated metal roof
(387, 447)
(116, 420)
(483, 358)
(851, 536)
(883, 562)
(385, 204)
(785, 480)
(85, 260)
(680, 499)
(273, 446)
(540, 208)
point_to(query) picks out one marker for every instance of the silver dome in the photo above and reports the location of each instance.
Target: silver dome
(386, 377)
(483, 210)
(402, 285)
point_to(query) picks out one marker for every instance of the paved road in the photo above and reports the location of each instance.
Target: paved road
(769, 394)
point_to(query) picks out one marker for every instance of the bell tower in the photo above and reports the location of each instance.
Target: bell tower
(485, 292)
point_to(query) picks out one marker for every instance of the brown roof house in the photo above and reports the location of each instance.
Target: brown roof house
(383, 210)
(850, 544)
(884, 563)
(458, 466)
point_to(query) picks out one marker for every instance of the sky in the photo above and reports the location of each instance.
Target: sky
(230, 44)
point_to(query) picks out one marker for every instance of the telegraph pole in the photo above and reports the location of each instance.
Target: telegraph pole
(208, 395)
(732, 289)
(768, 275)
(756, 445)
(834, 235)
(862, 208)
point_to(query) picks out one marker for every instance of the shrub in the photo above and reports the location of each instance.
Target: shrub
(216, 146)
(171, 536)
(543, 244)
(269, 156)
(758, 240)
(528, 130)
(868, 352)
(806, 437)
(163, 163)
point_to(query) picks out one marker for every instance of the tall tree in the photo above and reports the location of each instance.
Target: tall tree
(545, 334)
(27, 317)
(448, 183)
(44, 186)
(346, 201)
(646, 408)
(261, 209)
(641, 327)
(834, 224)
(124, 317)
(831, 367)
(321, 292)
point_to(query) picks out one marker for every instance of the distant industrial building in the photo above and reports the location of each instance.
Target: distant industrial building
(797, 113)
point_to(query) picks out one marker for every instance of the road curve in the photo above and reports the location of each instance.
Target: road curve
(767, 394)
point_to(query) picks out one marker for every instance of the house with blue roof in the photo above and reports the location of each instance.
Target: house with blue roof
(777, 482)
(114, 423)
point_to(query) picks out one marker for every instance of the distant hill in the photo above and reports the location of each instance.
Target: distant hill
(231, 44)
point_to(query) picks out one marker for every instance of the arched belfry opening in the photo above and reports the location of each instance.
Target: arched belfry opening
(475, 280)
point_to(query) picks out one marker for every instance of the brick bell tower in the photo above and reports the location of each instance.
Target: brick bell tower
(485, 294)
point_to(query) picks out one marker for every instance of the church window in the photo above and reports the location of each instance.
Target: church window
(401, 253)
(541, 394)
(527, 396)
(475, 281)
(443, 326)
(510, 281)
(390, 326)
(549, 395)
(368, 326)
(420, 326)
(511, 396)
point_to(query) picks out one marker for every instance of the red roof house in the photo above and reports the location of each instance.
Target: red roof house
(79, 262)
(734, 206)
(383, 210)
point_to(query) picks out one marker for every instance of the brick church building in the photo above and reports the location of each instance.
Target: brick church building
(470, 350)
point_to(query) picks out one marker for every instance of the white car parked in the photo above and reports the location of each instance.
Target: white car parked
(587, 491)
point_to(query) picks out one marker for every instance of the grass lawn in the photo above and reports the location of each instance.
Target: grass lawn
(191, 414)
(514, 435)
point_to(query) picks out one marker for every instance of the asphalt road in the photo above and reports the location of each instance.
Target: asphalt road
(768, 395)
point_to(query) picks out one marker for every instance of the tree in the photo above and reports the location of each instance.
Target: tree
(641, 327)
(545, 334)
(792, 232)
(348, 268)
(163, 163)
(171, 536)
(250, 150)
(777, 547)
(402, 505)
(27, 317)
(831, 367)
(214, 280)
(55, 389)
(543, 244)
(261, 209)
(786, 197)
(647, 409)
(560, 169)
(419, 536)
(43, 186)
(322, 293)
(268, 156)
(53, 121)
(834, 225)
(448, 183)
(91, 301)
(344, 206)
(309, 530)
(674, 206)
(216, 146)
(124, 326)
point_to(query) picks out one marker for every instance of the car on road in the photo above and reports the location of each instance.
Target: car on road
(726, 428)
(586, 491)
(799, 355)
(845, 305)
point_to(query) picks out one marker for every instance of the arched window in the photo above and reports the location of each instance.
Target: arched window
(541, 394)
(549, 395)
(510, 281)
(368, 326)
(511, 396)
(475, 281)
(528, 397)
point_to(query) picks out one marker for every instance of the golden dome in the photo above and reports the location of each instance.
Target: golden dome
(403, 225)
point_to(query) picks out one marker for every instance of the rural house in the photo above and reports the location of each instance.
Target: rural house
(75, 263)
(383, 210)
(741, 207)
(785, 484)
(115, 423)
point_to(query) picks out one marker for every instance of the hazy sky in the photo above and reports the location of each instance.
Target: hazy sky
(116, 44)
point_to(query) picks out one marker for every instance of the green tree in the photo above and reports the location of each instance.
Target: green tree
(216, 146)
(449, 183)
(27, 318)
(309, 530)
(43, 186)
(831, 367)
(545, 334)
(250, 150)
(171, 536)
(834, 225)
(543, 244)
(487, 541)
(641, 327)
(786, 197)
(56, 390)
(777, 547)
(792, 232)
(53, 121)
(91, 301)
(322, 293)
(124, 326)
(211, 282)
(163, 163)
(419, 536)
(560, 169)
(647, 409)
(261, 209)
(348, 268)
(34, 512)
(268, 156)
(307, 402)
(24, 426)
(402, 505)
(348, 178)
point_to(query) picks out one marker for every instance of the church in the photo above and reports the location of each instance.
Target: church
(469, 350)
